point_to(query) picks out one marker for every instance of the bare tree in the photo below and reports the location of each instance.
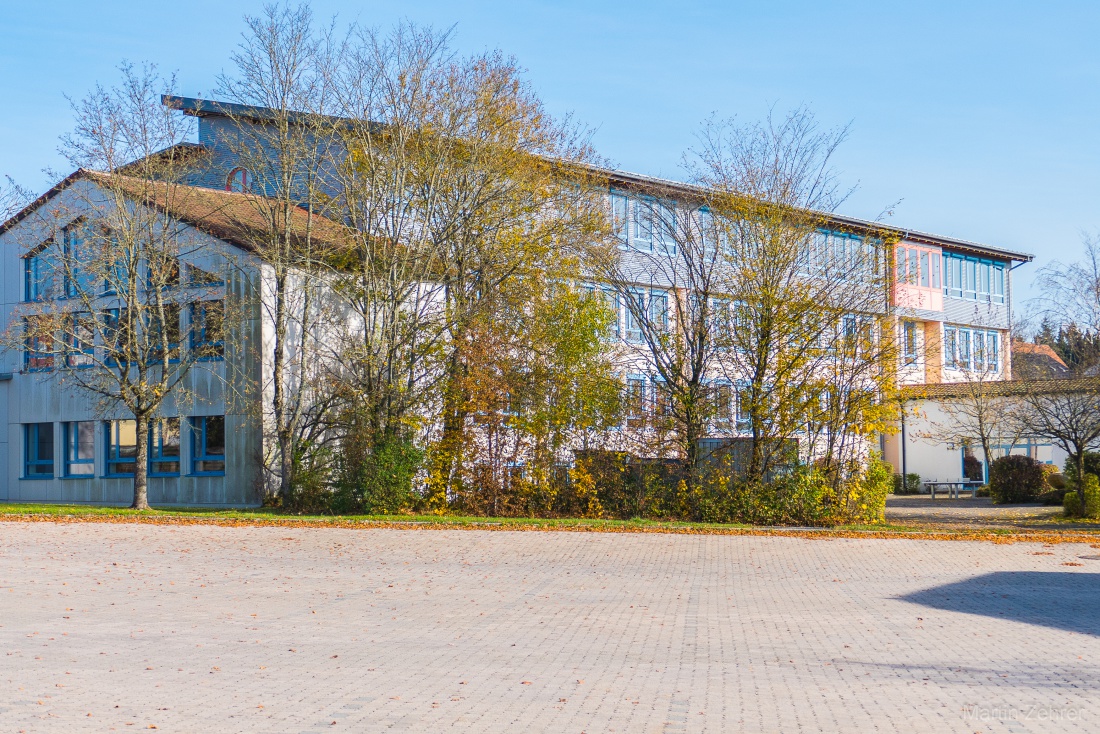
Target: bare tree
(281, 140)
(1070, 301)
(116, 253)
(13, 197)
(810, 346)
(1066, 413)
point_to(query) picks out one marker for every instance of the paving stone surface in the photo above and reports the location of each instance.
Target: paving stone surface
(116, 627)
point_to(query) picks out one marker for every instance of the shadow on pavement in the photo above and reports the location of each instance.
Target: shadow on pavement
(1062, 600)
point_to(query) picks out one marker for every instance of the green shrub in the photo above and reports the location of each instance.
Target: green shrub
(1092, 497)
(1092, 466)
(376, 479)
(1053, 497)
(1054, 478)
(1071, 505)
(1015, 479)
(910, 484)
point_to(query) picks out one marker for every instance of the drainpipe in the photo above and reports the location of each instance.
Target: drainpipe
(904, 472)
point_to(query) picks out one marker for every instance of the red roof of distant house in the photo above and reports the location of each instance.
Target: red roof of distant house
(1039, 350)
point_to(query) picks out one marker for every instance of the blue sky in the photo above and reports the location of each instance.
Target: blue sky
(981, 117)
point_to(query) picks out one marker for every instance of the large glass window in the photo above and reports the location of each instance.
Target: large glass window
(643, 225)
(208, 445)
(37, 344)
(636, 402)
(909, 342)
(79, 438)
(164, 447)
(39, 272)
(38, 450)
(619, 219)
(637, 300)
(658, 309)
(79, 340)
(973, 278)
(164, 333)
(121, 447)
(206, 329)
(79, 283)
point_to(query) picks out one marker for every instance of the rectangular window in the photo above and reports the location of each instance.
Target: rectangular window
(164, 334)
(79, 340)
(662, 398)
(909, 342)
(935, 261)
(950, 347)
(162, 271)
(39, 273)
(925, 271)
(658, 310)
(38, 450)
(992, 351)
(636, 404)
(121, 447)
(206, 329)
(723, 403)
(164, 448)
(643, 225)
(37, 344)
(79, 438)
(963, 361)
(636, 300)
(665, 227)
(208, 445)
(117, 341)
(619, 220)
(79, 283)
(977, 339)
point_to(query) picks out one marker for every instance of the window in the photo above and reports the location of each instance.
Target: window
(973, 278)
(79, 439)
(963, 358)
(38, 344)
(918, 266)
(117, 344)
(658, 310)
(723, 402)
(239, 181)
(39, 270)
(909, 342)
(665, 227)
(165, 333)
(206, 329)
(619, 219)
(79, 340)
(662, 401)
(636, 405)
(636, 300)
(199, 277)
(950, 346)
(79, 283)
(208, 445)
(164, 448)
(992, 351)
(38, 450)
(643, 225)
(121, 447)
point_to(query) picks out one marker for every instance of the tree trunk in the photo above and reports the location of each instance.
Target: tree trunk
(1080, 460)
(279, 397)
(141, 465)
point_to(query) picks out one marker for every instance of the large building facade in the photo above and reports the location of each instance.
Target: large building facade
(951, 303)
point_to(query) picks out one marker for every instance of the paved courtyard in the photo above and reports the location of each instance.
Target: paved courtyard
(115, 627)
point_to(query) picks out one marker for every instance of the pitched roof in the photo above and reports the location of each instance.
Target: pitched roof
(213, 108)
(240, 219)
(1039, 350)
(999, 388)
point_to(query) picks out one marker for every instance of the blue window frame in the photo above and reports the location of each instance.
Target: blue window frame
(39, 270)
(208, 445)
(643, 225)
(658, 309)
(164, 448)
(636, 300)
(637, 401)
(79, 447)
(37, 347)
(909, 342)
(38, 450)
(972, 278)
(619, 219)
(78, 282)
(79, 340)
(121, 447)
(166, 332)
(206, 329)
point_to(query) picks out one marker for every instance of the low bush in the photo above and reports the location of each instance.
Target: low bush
(1053, 497)
(910, 484)
(1071, 505)
(1053, 477)
(1015, 479)
(1091, 508)
(1092, 466)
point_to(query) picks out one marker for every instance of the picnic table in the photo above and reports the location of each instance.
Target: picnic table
(953, 487)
